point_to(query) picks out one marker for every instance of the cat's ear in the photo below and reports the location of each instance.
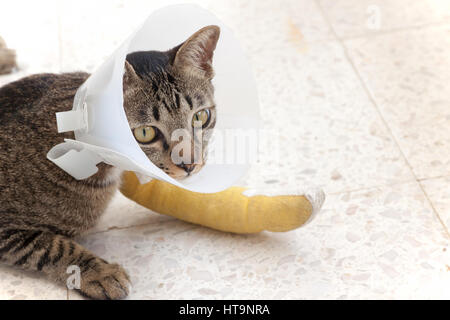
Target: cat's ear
(129, 77)
(194, 56)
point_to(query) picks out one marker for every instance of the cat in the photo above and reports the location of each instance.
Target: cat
(41, 207)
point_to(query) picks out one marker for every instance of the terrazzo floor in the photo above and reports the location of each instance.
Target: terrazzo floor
(358, 92)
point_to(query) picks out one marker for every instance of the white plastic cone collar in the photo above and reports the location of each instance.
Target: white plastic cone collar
(102, 133)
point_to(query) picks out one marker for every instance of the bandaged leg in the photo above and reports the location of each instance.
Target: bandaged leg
(234, 210)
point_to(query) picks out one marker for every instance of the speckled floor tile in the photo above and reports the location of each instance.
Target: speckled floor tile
(380, 243)
(354, 18)
(88, 39)
(90, 32)
(279, 21)
(407, 74)
(84, 47)
(34, 36)
(324, 129)
(123, 213)
(20, 285)
(438, 190)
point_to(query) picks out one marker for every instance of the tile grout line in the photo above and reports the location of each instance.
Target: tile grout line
(435, 177)
(434, 208)
(375, 105)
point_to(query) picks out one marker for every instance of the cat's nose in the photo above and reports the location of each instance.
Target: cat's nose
(187, 167)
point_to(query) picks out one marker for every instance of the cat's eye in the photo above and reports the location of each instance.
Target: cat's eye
(145, 134)
(203, 117)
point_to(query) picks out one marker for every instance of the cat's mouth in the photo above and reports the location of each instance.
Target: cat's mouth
(183, 171)
(177, 167)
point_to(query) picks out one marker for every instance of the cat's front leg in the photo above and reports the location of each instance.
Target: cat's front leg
(54, 254)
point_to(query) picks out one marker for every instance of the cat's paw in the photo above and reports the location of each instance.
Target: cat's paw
(105, 281)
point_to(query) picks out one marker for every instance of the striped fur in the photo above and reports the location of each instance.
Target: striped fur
(41, 207)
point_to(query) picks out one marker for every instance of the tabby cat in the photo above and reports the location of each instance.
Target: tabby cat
(42, 207)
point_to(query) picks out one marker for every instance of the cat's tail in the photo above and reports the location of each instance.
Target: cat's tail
(7, 58)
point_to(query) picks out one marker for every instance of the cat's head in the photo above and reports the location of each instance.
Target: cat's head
(166, 94)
